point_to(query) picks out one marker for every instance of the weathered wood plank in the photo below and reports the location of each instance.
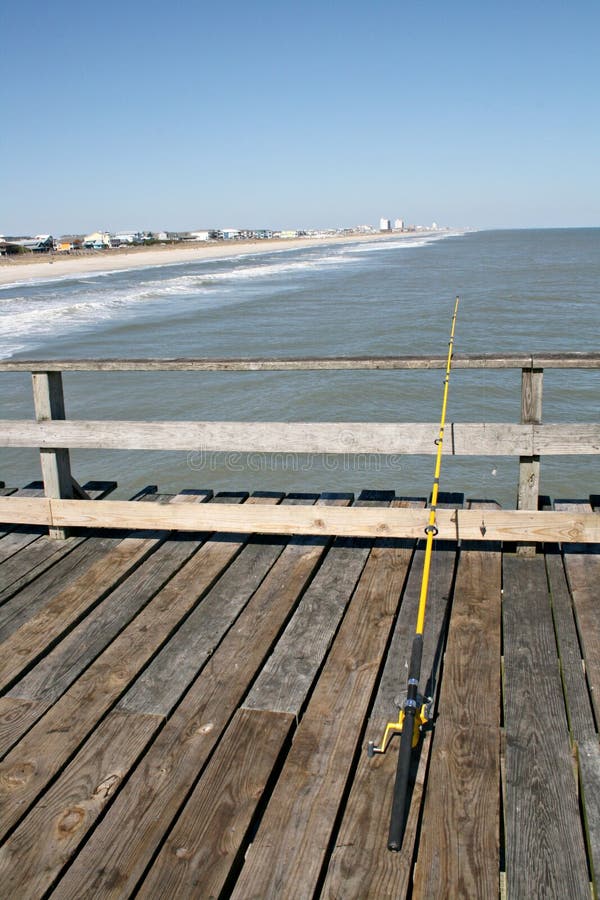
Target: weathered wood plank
(463, 438)
(583, 574)
(21, 600)
(41, 846)
(18, 608)
(288, 674)
(58, 734)
(25, 511)
(580, 661)
(572, 664)
(289, 850)
(49, 403)
(136, 822)
(570, 360)
(257, 741)
(16, 717)
(545, 852)
(162, 684)
(58, 669)
(459, 847)
(28, 642)
(25, 554)
(566, 440)
(499, 525)
(204, 844)
(360, 864)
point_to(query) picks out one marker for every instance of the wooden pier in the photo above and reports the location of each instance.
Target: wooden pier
(188, 682)
(187, 714)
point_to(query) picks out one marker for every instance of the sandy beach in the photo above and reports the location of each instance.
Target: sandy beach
(36, 267)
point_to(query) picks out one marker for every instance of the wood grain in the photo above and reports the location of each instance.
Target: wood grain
(199, 853)
(360, 863)
(289, 850)
(467, 524)
(136, 823)
(35, 854)
(545, 851)
(43, 751)
(569, 360)
(459, 848)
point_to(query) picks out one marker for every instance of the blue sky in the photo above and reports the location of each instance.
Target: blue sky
(193, 114)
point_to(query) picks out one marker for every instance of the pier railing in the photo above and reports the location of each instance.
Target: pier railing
(65, 503)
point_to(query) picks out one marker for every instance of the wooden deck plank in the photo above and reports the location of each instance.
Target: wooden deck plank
(21, 649)
(161, 685)
(579, 652)
(572, 664)
(36, 852)
(288, 674)
(306, 640)
(360, 864)
(16, 717)
(59, 668)
(45, 748)
(583, 574)
(113, 793)
(134, 826)
(205, 842)
(360, 860)
(22, 605)
(459, 848)
(289, 850)
(26, 552)
(545, 852)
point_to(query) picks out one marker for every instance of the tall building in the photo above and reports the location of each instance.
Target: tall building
(385, 225)
(399, 225)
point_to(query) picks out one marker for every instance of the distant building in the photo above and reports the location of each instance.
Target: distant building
(41, 243)
(97, 240)
(126, 237)
(399, 225)
(385, 225)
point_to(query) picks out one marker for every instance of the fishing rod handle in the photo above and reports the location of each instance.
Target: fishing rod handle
(398, 817)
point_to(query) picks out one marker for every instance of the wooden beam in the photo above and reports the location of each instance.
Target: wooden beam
(459, 524)
(531, 413)
(462, 438)
(49, 404)
(566, 360)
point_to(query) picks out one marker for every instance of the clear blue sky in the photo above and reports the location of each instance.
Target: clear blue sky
(188, 114)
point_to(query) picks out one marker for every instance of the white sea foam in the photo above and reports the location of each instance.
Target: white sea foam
(34, 312)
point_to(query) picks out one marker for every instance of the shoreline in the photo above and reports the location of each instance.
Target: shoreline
(30, 270)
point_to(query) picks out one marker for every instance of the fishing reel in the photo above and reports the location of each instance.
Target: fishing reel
(422, 714)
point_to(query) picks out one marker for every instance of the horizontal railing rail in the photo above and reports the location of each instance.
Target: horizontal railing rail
(385, 438)
(553, 360)
(529, 439)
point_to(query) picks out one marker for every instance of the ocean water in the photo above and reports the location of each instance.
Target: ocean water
(520, 291)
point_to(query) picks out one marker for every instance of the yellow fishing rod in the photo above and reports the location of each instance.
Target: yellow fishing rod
(413, 713)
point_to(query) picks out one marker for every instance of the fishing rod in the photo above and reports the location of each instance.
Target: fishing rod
(414, 711)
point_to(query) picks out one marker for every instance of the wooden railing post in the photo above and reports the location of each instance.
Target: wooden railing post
(529, 466)
(49, 403)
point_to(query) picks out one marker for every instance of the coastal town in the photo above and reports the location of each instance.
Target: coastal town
(13, 245)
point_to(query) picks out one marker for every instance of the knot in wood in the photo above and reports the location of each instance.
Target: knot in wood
(18, 775)
(107, 787)
(206, 728)
(70, 821)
